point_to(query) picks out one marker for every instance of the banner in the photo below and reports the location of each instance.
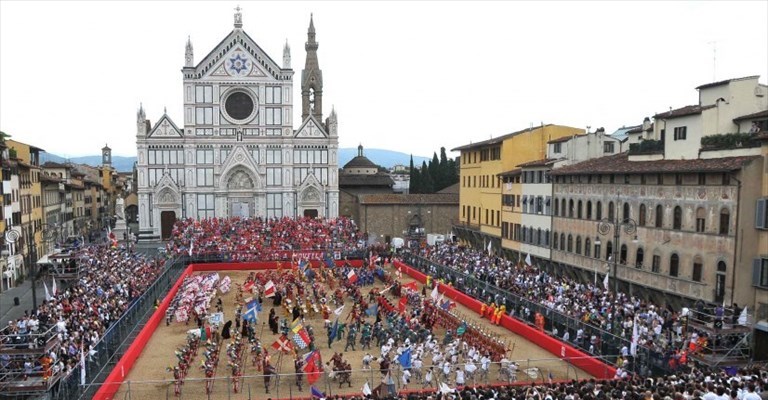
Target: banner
(309, 255)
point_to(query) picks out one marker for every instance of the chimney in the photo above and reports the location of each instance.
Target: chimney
(646, 124)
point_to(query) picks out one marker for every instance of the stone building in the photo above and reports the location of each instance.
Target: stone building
(236, 152)
(384, 216)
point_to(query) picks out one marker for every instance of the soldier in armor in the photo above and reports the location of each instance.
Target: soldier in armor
(351, 338)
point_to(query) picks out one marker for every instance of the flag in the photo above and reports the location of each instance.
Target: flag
(301, 337)
(203, 336)
(191, 246)
(461, 329)
(82, 365)
(434, 293)
(339, 310)
(411, 285)
(405, 358)
(329, 261)
(743, 317)
(528, 260)
(313, 373)
(401, 304)
(372, 310)
(366, 389)
(334, 330)
(252, 311)
(269, 289)
(282, 344)
(635, 338)
(352, 276)
(53, 287)
(248, 286)
(490, 247)
(372, 260)
(605, 281)
(444, 389)
(47, 294)
(446, 305)
(303, 265)
(316, 392)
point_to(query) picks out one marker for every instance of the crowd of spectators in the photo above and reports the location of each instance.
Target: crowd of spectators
(659, 328)
(245, 239)
(79, 315)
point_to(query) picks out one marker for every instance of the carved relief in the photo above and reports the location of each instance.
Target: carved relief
(166, 196)
(240, 180)
(311, 195)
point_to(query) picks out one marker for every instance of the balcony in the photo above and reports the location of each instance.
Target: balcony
(647, 147)
(729, 141)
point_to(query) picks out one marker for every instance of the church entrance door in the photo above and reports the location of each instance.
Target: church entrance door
(311, 213)
(240, 209)
(167, 219)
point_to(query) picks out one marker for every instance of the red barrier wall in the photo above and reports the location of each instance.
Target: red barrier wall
(578, 358)
(261, 265)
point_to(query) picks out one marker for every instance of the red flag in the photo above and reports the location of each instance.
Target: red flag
(283, 344)
(313, 372)
(411, 285)
(247, 287)
(401, 305)
(269, 289)
(352, 276)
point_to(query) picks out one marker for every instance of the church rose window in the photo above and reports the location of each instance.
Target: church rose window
(239, 105)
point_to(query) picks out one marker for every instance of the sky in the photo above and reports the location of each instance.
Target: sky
(405, 76)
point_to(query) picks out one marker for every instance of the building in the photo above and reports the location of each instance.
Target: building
(480, 210)
(29, 223)
(385, 216)
(236, 152)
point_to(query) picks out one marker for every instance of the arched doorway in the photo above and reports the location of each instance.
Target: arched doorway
(167, 219)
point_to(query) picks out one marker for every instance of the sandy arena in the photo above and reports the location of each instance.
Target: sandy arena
(149, 378)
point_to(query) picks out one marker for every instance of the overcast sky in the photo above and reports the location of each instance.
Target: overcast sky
(406, 76)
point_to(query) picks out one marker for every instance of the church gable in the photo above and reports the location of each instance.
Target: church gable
(165, 128)
(311, 129)
(239, 56)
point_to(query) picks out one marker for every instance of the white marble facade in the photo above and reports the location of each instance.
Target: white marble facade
(236, 152)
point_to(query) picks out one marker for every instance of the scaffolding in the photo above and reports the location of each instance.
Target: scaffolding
(719, 336)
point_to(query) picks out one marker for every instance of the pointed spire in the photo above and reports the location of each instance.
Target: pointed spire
(165, 110)
(189, 54)
(286, 55)
(140, 116)
(311, 23)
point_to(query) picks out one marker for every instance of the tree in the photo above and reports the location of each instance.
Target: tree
(427, 185)
(415, 182)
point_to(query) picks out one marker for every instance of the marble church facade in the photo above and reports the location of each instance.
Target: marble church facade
(236, 152)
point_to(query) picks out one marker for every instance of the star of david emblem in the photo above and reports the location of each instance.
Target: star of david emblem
(238, 64)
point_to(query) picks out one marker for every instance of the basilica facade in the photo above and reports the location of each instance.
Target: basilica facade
(236, 152)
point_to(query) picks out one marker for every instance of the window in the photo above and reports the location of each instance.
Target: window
(589, 209)
(570, 243)
(205, 177)
(555, 241)
(205, 156)
(539, 204)
(578, 244)
(639, 257)
(610, 210)
(702, 178)
(570, 208)
(698, 265)
(597, 249)
(204, 94)
(681, 133)
(700, 220)
(656, 263)
(578, 210)
(274, 205)
(625, 212)
(587, 249)
(557, 148)
(272, 131)
(205, 206)
(761, 214)
(274, 156)
(659, 216)
(678, 179)
(273, 116)
(557, 207)
(759, 272)
(608, 147)
(598, 211)
(623, 255)
(274, 176)
(677, 218)
(641, 217)
(725, 221)
(562, 208)
(204, 116)
(224, 153)
(273, 94)
(608, 250)
(674, 265)
(204, 131)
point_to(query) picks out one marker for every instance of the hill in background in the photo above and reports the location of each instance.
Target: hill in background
(385, 158)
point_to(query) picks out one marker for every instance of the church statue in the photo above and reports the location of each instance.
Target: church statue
(120, 208)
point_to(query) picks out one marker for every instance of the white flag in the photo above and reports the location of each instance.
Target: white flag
(635, 338)
(434, 293)
(444, 389)
(743, 317)
(605, 281)
(53, 287)
(339, 310)
(191, 246)
(490, 248)
(82, 365)
(47, 293)
(366, 389)
(528, 260)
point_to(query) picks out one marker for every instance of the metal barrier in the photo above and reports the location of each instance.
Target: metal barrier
(118, 337)
(646, 362)
(253, 386)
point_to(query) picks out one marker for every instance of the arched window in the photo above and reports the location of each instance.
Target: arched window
(677, 218)
(570, 243)
(589, 209)
(557, 207)
(562, 208)
(608, 250)
(599, 210)
(578, 245)
(578, 210)
(598, 250)
(625, 212)
(659, 216)
(720, 281)
(570, 208)
(674, 265)
(725, 221)
(610, 210)
(587, 250)
(698, 266)
(639, 258)
(538, 236)
(656, 262)
(641, 216)
(562, 241)
(554, 241)
(701, 220)
(546, 238)
(623, 254)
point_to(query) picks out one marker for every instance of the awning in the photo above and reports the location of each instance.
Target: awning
(43, 260)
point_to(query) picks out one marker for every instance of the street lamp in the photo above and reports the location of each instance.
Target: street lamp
(616, 224)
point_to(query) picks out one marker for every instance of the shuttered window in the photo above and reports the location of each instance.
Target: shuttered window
(761, 214)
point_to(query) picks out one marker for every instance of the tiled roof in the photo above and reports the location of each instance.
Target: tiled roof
(513, 172)
(49, 178)
(365, 180)
(453, 189)
(53, 164)
(537, 163)
(759, 114)
(360, 162)
(683, 111)
(436, 198)
(496, 140)
(713, 84)
(562, 139)
(620, 164)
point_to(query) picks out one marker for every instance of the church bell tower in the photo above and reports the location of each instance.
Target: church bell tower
(311, 79)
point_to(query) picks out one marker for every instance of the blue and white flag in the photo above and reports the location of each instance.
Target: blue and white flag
(405, 358)
(252, 311)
